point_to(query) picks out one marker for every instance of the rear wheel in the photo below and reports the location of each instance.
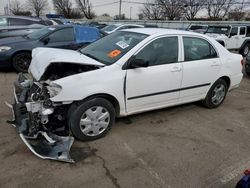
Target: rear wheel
(21, 61)
(246, 50)
(92, 119)
(217, 94)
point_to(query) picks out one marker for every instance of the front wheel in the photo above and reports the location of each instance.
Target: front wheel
(92, 119)
(216, 95)
(21, 61)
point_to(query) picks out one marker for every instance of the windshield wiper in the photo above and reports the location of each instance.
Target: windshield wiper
(91, 56)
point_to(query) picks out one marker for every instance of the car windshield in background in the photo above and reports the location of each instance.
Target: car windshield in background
(40, 33)
(109, 28)
(218, 30)
(112, 47)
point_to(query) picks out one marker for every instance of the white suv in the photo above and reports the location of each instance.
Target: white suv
(127, 72)
(232, 37)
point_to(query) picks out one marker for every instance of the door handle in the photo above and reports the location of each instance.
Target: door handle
(215, 64)
(176, 69)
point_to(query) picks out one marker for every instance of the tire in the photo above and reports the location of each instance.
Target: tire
(216, 95)
(21, 61)
(88, 113)
(245, 50)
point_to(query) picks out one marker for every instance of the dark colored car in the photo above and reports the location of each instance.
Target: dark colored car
(95, 24)
(16, 51)
(20, 21)
(11, 26)
(247, 65)
(19, 30)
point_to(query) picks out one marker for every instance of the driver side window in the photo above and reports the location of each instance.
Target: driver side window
(160, 51)
(62, 35)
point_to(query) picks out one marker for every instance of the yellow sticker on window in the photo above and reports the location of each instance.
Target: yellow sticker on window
(114, 53)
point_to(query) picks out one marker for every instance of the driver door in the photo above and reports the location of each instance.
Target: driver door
(157, 85)
(233, 41)
(63, 38)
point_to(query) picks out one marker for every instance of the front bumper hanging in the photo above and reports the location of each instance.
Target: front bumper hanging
(42, 143)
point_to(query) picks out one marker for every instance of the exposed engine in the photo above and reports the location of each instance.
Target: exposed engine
(59, 70)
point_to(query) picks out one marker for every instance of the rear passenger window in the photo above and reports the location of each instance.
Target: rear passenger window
(197, 49)
(160, 51)
(16, 21)
(3, 22)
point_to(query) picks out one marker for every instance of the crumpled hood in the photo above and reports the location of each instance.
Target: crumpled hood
(216, 36)
(43, 57)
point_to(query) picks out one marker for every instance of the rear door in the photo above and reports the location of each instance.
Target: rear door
(201, 66)
(158, 84)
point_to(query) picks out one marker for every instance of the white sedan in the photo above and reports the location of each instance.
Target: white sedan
(127, 72)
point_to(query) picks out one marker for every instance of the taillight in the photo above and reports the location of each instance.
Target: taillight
(242, 62)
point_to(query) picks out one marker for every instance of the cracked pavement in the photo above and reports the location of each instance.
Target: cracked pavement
(184, 146)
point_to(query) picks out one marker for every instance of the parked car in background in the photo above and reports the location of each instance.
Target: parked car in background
(11, 26)
(116, 27)
(16, 51)
(127, 72)
(198, 28)
(94, 24)
(232, 37)
(247, 65)
(19, 30)
(20, 21)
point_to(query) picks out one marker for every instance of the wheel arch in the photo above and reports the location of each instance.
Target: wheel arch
(227, 80)
(108, 97)
(241, 49)
(18, 52)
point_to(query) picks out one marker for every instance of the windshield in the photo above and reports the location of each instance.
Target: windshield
(112, 47)
(109, 28)
(40, 33)
(218, 30)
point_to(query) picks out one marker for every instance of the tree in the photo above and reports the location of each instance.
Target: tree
(117, 17)
(218, 8)
(37, 6)
(238, 13)
(16, 7)
(152, 11)
(192, 7)
(106, 15)
(172, 9)
(63, 7)
(86, 8)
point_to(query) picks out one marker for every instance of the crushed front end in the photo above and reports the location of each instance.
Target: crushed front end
(41, 123)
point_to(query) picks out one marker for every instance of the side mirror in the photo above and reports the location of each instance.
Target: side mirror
(137, 63)
(46, 40)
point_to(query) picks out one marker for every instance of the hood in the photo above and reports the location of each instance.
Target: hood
(43, 57)
(12, 40)
(216, 36)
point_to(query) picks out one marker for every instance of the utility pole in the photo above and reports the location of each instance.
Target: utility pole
(120, 9)
(130, 13)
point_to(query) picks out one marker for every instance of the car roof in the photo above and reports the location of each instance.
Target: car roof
(22, 17)
(122, 24)
(161, 31)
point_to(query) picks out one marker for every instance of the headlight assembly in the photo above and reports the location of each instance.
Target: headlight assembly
(4, 48)
(54, 89)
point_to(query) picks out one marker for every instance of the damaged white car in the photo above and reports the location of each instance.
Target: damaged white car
(80, 93)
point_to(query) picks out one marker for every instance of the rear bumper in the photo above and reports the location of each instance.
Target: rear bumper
(235, 81)
(36, 137)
